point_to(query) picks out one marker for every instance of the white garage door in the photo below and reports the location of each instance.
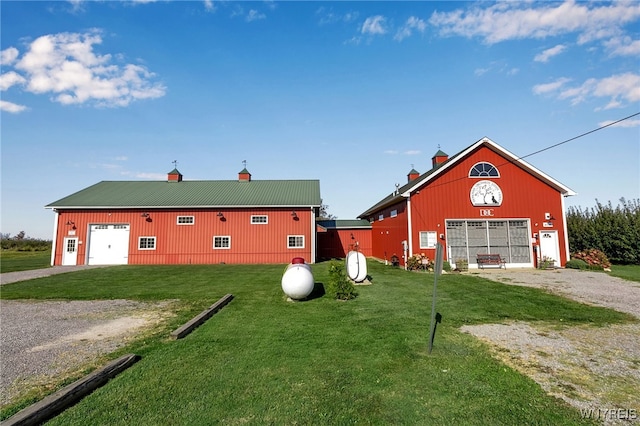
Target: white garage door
(109, 245)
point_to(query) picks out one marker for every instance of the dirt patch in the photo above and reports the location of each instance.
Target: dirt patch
(589, 368)
(594, 369)
(43, 342)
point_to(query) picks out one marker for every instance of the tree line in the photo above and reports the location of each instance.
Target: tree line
(22, 242)
(613, 230)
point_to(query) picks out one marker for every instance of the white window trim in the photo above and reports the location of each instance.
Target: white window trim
(155, 240)
(435, 239)
(394, 213)
(221, 236)
(289, 246)
(193, 220)
(260, 223)
(483, 176)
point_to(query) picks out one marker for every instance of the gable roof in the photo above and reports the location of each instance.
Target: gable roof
(216, 193)
(406, 190)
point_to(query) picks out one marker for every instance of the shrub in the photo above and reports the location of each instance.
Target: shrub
(596, 259)
(613, 230)
(446, 266)
(339, 285)
(577, 264)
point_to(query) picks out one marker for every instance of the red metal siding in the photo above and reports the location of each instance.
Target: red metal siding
(387, 234)
(448, 197)
(336, 243)
(184, 244)
(524, 197)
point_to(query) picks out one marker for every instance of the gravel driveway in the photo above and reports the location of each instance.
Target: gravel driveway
(591, 368)
(42, 341)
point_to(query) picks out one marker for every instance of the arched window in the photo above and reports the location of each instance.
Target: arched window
(483, 170)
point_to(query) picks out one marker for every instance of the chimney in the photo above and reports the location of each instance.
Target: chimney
(413, 174)
(439, 158)
(244, 175)
(174, 176)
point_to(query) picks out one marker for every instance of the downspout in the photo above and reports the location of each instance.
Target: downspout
(313, 236)
(409, 227)
(564, 228)
(55, 237)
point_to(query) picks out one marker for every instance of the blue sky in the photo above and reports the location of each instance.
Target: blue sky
(354, 94)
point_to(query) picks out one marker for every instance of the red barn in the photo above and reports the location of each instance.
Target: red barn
(483, 200)
(336, 238)
(182, 222)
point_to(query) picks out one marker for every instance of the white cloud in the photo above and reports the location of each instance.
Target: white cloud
(407, 29)
(329, 16)
(209, 6)
(66, 66)
(541, 89)
(620, 89)
(8, 56)
(517, 20)
(549, 53)
(374, 25)
(11, 107)
(9, 79)
(623, 46)
(391, 152)
(626, 123)
(413, 152)
(254, 15)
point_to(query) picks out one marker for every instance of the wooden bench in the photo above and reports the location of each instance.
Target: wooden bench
(490, 259)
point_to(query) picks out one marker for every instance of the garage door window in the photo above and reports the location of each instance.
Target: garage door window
(147, 243)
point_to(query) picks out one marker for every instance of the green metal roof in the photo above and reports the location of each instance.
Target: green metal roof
(344, 223)
(218, 193)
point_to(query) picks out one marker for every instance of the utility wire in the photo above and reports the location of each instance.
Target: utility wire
(579, 136)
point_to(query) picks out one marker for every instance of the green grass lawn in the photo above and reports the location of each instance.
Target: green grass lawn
(263, 360)
(627, 272)
(13, 260)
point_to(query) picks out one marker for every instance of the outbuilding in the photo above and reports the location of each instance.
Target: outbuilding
(187, 222)
(482, 200)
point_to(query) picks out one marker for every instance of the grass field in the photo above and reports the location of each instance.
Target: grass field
(627, 272)
(13, 260)
(263, 360)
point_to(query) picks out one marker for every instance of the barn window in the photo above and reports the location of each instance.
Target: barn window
(295, 241)
(394, 213)
(147, 243)
(381, 217)
(186, 220)
(263, 219)
(482, 170)
(222, 242)
(427, 239)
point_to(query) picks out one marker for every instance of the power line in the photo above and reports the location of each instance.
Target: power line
(579, 136)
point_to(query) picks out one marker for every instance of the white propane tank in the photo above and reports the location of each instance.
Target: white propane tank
(297, 281)
(356, 266)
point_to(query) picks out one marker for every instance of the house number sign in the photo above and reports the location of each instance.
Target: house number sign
(486, 212)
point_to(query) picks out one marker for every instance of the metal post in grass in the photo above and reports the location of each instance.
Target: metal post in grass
(435, 317)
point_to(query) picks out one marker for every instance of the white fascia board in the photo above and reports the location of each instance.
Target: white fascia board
(565, 190)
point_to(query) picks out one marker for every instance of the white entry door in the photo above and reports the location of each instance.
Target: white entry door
(109, 244)
(70, 253)
(549, 246)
